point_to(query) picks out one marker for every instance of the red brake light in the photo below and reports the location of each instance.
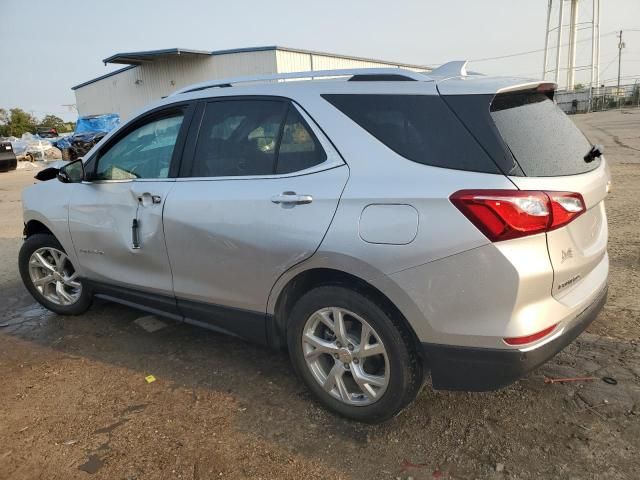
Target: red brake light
(506, 214)
(530, 338)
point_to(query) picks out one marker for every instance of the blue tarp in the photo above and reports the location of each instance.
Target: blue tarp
(63, 143)
(97, 123)
(91, 123)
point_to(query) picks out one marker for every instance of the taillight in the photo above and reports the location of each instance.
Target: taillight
(565, 206)
(506, 214)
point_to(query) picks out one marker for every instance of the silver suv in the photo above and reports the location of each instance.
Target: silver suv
(380, 225)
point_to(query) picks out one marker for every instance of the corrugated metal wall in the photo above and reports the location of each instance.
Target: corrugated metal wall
(128, 91)
(291, 61)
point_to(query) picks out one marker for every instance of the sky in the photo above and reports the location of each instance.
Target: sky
(46, 48)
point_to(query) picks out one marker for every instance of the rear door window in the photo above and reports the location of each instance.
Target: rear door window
(254, 137)
(238, 138)
(542, 138)
(421, 128)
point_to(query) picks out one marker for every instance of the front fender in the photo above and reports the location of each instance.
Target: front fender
(48, 203)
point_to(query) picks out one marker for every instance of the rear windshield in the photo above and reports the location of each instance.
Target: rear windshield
(542, 138)
(421, 128)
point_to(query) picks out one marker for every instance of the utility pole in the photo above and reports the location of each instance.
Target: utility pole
(620, 47)
(573, 36)
(597, 38)
(559, 40)
(594, 41)
(546, 41)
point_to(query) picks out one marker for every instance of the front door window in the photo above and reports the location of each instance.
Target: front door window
(145, 152)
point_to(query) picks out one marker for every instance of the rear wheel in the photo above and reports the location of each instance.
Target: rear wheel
(50, 277)
(352, 354)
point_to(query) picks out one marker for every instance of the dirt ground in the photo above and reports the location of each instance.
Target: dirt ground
(74, 402)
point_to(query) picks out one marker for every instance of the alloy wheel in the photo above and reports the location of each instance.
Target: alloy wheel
(345, 356)
(53, 275)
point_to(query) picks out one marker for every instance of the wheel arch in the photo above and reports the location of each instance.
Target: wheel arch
(37, 223)
(305, 280)
(33, 227)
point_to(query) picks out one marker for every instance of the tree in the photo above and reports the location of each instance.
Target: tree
(16, 122)
(578, 86)
(52, 121)
(4, 119)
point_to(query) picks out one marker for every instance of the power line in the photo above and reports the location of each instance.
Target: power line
(623, 77)
(529, 52)
(506, 56)
(613, 60)
(608, 65)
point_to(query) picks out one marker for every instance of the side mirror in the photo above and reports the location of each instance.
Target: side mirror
(72, 172)
(47, 174)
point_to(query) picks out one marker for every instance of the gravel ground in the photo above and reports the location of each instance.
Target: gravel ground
(75, 403)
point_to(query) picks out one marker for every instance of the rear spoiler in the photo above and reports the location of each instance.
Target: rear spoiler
(548, 88)
(481, 85)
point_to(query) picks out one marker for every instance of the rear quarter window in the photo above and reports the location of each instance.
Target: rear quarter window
(421, 128)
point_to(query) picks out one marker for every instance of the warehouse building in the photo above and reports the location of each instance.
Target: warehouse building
(151, 75)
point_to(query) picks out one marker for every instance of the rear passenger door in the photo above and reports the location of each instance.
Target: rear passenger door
(256, 198)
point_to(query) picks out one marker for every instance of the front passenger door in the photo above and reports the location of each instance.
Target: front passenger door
(115, 217)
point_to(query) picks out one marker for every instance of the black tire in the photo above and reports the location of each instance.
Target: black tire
(406, 372)
(29, 246)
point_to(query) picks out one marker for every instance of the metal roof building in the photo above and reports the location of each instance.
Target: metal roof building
(154, 74)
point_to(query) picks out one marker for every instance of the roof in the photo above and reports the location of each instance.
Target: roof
(136, 58)
(313, 52)
(101, 77)
(133, 59)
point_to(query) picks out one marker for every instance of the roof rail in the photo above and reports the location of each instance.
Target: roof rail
(457, 68)
(371, 73)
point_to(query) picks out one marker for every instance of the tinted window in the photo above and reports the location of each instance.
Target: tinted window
(143, 153)
(299, 148)
(542, 138)
(238, 137)
(421, 128)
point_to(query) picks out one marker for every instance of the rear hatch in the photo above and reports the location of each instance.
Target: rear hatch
(539, 148)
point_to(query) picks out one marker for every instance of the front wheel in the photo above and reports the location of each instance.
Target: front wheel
(355, 356)
(50, 277)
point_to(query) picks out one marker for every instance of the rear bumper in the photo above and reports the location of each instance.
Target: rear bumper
(482, 369)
